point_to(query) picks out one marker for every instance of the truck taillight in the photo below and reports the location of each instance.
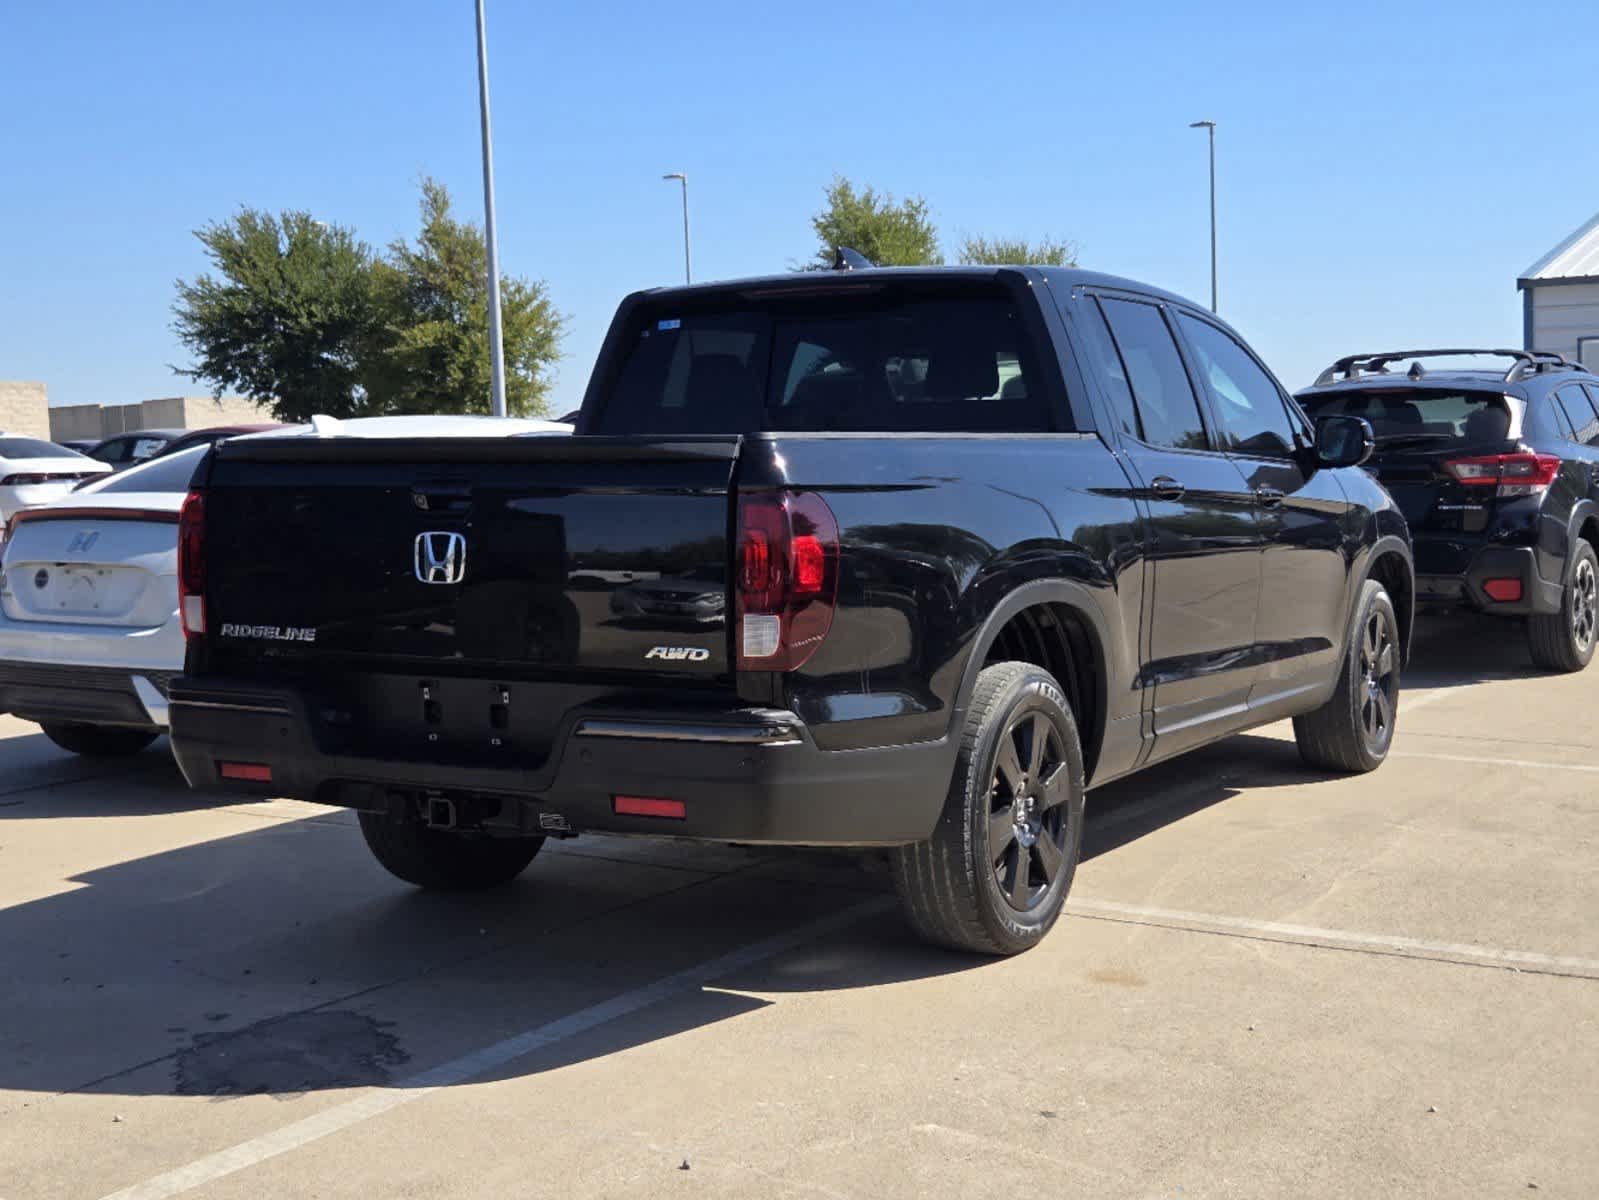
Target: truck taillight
(191, 564)
(1521, 474)
(787, 578)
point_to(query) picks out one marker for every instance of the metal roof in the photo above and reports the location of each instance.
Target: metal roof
(1575, 258)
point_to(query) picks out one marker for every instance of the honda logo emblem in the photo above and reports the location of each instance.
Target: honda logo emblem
(440, 557)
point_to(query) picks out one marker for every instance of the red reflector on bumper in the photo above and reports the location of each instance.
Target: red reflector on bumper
(253, 772)
(648, 806)
(1502, 589)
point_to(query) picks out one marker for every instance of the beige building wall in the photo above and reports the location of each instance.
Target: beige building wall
(24, 408)
(83, 421)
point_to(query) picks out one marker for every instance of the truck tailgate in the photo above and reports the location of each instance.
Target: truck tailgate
(510, 558)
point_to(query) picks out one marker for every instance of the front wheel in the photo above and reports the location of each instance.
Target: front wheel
(1564, 641)
(434, 859)
(1355, 728)
(993, 877)
(98, 741)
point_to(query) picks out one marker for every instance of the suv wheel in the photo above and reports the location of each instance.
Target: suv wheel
(98, 741)
(993, 876)
(431, 858)
(1564, 641)
(1355, 728)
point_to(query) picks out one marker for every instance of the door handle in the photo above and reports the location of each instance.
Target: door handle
(1166, 488)
(1269, 497)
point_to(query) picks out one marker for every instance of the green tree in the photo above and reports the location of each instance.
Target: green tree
(285, 316)
(301, 316)
(433, 340)
(890, 233)
(1046, 252)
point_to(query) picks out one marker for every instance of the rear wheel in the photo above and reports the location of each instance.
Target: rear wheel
(1564, 641)
(994, 875)
(432, 858)
(1355, 728)
(98, 741)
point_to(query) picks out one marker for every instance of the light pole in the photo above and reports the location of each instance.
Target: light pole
(1210, 128)
(496, 343)
(688, 270)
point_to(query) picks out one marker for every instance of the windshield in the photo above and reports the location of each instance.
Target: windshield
(169, 473)
(824, 363)
(1422, 416)
(16, 447)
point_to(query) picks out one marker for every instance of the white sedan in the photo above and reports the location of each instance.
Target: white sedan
(89, 630)
(33, 472)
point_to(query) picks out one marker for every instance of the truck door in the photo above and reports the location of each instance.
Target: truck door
(1204, 539)
(1304, 574)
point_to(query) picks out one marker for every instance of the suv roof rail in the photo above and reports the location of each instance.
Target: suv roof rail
(1527, 362)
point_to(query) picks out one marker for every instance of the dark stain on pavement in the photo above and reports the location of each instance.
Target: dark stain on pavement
(290, 1056)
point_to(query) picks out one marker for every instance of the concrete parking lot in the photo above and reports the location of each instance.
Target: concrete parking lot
(1270, 982)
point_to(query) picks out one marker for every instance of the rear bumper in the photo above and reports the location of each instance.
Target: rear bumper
(743, 776)
(87, 695)
(1538, 595)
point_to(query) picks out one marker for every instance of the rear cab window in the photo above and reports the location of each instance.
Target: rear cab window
(1420, 418)
(885, 359)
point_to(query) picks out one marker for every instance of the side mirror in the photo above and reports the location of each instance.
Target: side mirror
(1343, 441)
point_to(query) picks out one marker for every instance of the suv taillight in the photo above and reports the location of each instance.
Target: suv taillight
(787, 578)
(191, 564)
(1522, 474)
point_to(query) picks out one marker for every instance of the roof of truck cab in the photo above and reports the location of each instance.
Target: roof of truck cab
(1065, 278)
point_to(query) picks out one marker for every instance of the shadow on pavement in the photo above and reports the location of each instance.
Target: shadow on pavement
(41, 780)
(283, 960)
(1462, 648)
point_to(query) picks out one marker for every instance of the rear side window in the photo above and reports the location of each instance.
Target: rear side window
(1168, 411)
(1247, 402)
(170, 473)
(1110, 371)
(1419, 416)
(1584, 420)
(818, 364)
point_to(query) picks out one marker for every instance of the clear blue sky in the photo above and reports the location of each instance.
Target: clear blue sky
(1386, 170)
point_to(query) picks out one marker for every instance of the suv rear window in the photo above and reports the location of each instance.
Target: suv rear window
(1419, 415)
(878, 364)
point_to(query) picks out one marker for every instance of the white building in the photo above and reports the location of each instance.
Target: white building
(1560, 299)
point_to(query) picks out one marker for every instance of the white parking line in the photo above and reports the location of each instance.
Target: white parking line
(1498, 762)
(480, 1062)
(1339, 939)
(1411, 701)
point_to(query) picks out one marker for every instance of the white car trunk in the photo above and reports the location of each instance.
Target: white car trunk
(111, 562)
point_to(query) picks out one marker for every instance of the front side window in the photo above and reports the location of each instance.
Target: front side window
(1250, 408)
(1168, 410)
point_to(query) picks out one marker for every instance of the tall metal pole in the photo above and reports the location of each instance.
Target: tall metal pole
(688, 268)
(496, 342)
(1210, 128)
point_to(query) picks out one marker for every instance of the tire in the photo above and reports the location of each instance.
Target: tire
(1355, 728)
(453, 862)
(98, 741)
(1564, 641)
(957, 889)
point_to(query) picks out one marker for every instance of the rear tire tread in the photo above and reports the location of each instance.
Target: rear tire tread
(1549, 635)
(937, 879)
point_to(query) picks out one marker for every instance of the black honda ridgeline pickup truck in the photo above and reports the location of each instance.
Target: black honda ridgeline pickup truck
(904, 559)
